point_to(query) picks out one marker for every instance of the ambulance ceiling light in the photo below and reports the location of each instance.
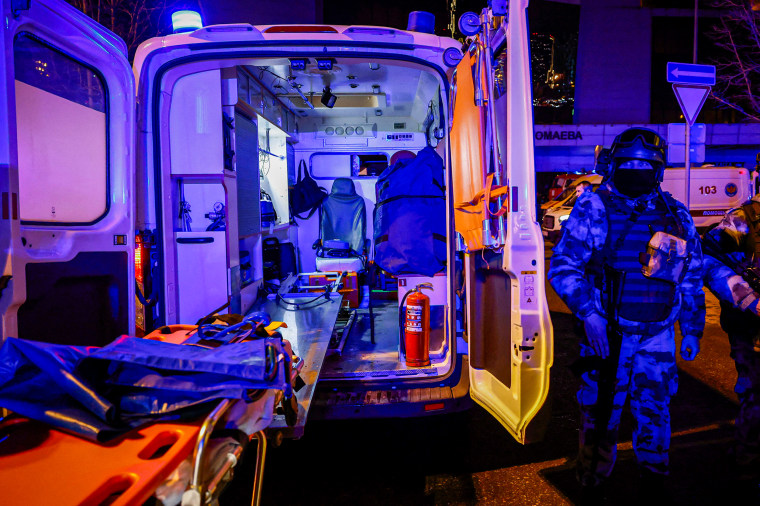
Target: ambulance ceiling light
(186, 21)
(325, 63)
(298, 63)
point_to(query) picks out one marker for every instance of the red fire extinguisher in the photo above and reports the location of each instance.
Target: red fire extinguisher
(416, 341)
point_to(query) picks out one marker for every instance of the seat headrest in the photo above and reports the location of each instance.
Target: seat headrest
(343, 186)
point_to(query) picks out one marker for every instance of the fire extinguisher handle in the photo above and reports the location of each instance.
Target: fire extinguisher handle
(426, 286)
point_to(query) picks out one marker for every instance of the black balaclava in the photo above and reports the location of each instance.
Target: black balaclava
(634, 183)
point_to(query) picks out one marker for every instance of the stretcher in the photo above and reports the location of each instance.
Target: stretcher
(176, 463)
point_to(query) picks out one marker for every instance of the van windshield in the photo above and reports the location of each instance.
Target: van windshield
(571, 201)
(565, 194)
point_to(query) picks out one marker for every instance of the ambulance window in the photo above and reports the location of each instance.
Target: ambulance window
(331, 165)
(61, 119)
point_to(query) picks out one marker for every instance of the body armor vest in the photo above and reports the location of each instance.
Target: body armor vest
(640, 299)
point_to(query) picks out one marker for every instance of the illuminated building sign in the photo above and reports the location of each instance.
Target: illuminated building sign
(564, 135)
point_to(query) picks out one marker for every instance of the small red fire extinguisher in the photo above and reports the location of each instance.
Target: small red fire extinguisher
(416, 342)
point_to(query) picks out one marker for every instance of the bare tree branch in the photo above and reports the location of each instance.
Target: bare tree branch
(133, 20)
(738, 34)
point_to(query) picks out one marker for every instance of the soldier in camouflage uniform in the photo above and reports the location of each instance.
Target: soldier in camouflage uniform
(738, 236)
(597, 270)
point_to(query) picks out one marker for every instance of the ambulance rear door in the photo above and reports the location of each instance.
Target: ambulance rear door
(66, 176)
(508, 326)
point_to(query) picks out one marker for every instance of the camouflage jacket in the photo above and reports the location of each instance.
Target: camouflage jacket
(585, 232)
(726, 284)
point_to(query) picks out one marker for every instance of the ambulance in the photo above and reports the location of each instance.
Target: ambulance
(132, 197)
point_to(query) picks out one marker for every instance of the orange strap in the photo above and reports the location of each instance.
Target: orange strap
(489, 193)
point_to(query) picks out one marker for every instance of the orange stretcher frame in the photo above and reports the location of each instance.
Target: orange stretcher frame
(42, 465)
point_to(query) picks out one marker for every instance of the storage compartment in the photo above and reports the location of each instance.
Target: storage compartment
(202, 274)
(383, 113)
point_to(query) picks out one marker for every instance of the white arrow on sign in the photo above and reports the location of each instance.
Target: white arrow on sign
(678, 73)
(691, 98)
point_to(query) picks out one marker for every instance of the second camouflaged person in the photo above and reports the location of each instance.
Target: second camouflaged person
(732, 269)
(629, 265)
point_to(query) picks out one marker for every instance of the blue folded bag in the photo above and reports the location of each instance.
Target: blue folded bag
(100, 393)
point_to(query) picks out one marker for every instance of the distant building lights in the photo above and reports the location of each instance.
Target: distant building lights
(186, 21)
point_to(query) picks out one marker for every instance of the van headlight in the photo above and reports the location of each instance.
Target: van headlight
(563, 218)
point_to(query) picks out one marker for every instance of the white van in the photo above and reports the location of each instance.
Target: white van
(555, 216)
(714, 190)
(130, 198)
(570, 190)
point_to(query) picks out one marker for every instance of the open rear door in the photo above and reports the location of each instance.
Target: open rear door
(8, 178)
(66, 176)
(508, 324)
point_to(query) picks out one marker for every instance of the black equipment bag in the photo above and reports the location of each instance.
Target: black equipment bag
(305, 195)
(287, 259)
(271, 258)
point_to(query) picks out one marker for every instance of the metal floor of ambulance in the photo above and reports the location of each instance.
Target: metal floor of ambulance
(360, 358)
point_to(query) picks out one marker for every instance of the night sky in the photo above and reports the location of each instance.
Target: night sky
(543, 15)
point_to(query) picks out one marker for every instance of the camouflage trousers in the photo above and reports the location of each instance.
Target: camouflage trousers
(748, 390)
(647, 372)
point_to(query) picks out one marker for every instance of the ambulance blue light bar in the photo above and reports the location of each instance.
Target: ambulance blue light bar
(186, 21)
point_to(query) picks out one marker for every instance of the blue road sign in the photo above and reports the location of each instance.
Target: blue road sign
(689, 73)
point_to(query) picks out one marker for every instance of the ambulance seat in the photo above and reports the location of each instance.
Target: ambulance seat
(342, 243)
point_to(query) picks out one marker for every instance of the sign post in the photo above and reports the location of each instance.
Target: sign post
(691, 84)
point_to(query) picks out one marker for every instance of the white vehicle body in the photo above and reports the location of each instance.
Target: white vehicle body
(714, 190)
(568, 191)
(125, 151)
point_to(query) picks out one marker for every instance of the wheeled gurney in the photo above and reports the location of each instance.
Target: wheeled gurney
(175, 462)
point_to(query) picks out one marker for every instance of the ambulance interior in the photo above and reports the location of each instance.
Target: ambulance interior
(238, 131)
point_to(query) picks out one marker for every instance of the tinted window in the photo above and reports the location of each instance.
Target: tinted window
(61, 125)
(42, 67)
(330, 166)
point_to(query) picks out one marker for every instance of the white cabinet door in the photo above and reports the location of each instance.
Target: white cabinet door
(201, 274)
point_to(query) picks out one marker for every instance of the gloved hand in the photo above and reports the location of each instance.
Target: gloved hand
(689, 347)
(745, 298)
(596, 334)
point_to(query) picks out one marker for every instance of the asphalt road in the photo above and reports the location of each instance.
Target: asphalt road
(468, 458)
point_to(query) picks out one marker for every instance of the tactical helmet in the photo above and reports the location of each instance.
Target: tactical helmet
(638, 144)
